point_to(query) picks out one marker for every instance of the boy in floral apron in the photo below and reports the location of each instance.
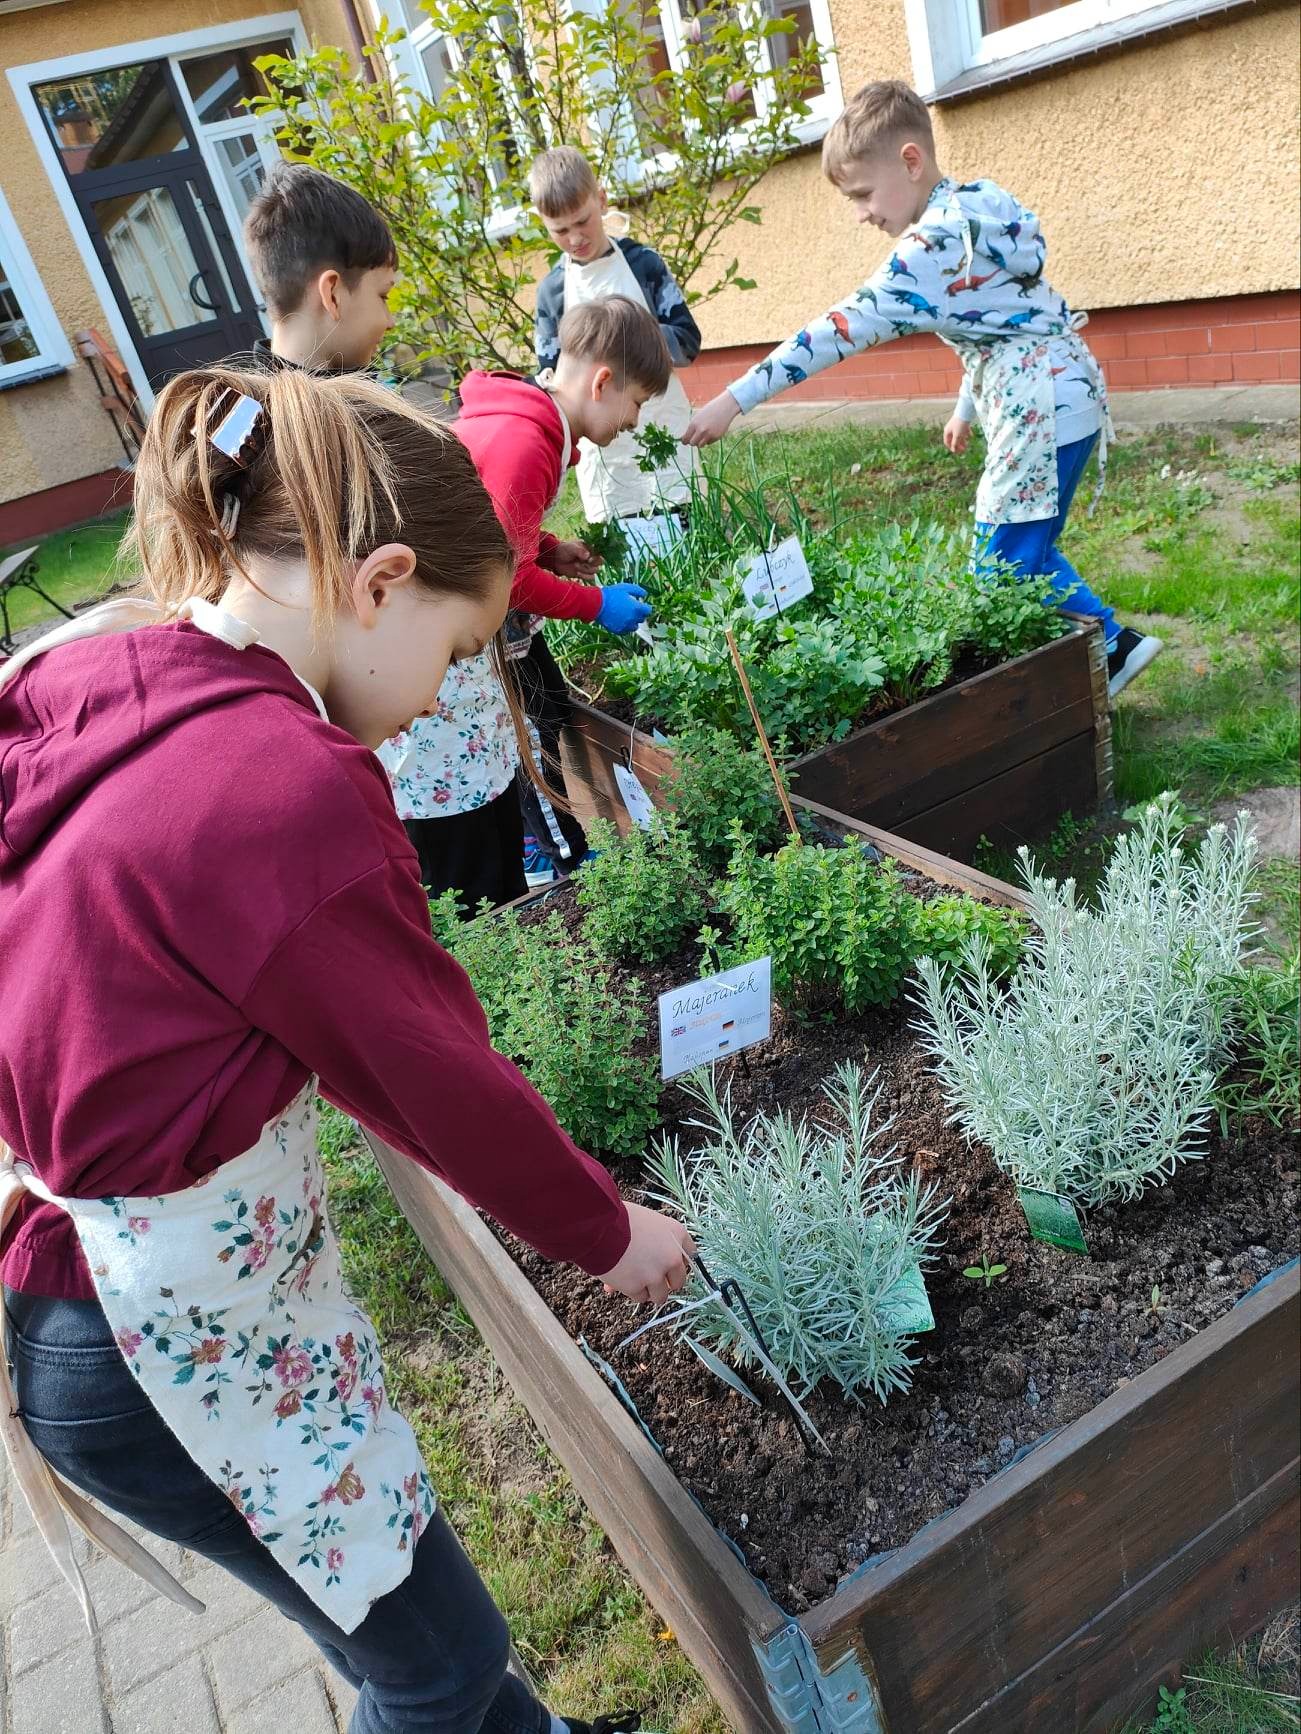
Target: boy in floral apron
(209, 910)
(969, 265)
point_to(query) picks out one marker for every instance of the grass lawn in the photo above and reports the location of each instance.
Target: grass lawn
(1196, 539)
(75, 566)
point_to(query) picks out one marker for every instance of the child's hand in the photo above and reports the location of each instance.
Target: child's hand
(575, 560)
(623, 607)
(658, 1260)
(712, 422)
(957, 435)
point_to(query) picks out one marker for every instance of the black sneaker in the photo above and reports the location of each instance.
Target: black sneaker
(624, 1722)
(1128, 656)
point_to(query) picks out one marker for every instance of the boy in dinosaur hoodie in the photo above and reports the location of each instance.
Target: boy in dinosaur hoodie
(969, 266)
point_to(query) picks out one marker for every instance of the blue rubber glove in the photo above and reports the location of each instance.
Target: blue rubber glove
(622, 607)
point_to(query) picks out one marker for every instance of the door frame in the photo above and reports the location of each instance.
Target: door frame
(181, 45)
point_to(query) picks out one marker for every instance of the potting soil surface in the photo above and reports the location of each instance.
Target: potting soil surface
(1005, 1364)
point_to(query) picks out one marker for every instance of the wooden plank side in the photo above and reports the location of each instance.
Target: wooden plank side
(598, 742)
(689, 1572)
(1009, 809)
(989, 1591)
(1218, 1589)
(936, 749)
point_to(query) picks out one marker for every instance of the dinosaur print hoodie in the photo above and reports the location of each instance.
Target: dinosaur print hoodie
(972, 271)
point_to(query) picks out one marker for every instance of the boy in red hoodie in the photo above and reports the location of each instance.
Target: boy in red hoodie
(446, 768)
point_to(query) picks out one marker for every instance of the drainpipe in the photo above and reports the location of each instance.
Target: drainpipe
(357, 39)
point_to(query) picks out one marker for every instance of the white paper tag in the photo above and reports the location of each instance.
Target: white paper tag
(641, 809)
(777, 579)
(649, 537)
(707, 1019)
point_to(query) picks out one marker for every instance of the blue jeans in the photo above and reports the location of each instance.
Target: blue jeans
(429, 1656)
(1033, 546)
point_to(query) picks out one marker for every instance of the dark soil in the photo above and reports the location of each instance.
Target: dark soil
(1004, 1366)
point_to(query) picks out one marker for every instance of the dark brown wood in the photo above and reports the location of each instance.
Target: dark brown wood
(1019, 1605)
(711, 1602)
(997, 756)
(1009, 809)
(596, 742)
(937, 749)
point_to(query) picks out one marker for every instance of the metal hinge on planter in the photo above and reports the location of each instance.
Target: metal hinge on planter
(808, 1701)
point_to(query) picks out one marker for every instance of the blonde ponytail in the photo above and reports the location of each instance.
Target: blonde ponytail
(336, 466)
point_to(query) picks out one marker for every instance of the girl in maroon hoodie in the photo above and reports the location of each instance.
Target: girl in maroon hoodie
(208, 909)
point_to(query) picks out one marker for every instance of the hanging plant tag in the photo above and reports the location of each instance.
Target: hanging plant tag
(706, 1020)
(777, 579)
(908, 1304)
(641, 809)
(1053, 1219)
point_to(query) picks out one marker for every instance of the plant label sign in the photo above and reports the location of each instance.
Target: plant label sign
(640, 807)
(777, 579)
(707, 1020)
(648, 538)
(1053, 1219)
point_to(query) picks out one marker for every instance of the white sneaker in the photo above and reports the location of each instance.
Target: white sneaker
(1128, 656)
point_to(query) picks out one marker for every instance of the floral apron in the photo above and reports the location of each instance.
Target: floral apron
(228, 1305)
(610, 480)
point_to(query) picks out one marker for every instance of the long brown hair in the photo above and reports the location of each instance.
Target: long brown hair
(336, 465)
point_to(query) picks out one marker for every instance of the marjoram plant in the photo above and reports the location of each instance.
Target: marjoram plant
(837, 925)
(1094, 1073)
(643, 894)
(554, 1008)
(817, 1226)
(714, 781)
(686, 146)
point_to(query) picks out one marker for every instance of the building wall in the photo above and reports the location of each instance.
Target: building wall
(53, 432)
(1165, 172)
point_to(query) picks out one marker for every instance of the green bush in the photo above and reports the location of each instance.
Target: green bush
(715, 782)
(1263, 1007)
(837, 926)
(555, 1009)
(643, 894)
(945, 927)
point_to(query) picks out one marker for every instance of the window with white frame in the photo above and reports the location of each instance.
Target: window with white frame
(31, 342)
(675, 29)
(955, 40)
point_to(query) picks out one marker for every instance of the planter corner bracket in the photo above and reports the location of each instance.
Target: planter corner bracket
(807, 1700)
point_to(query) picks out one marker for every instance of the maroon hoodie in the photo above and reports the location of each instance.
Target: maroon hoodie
(206, 896)
(516, 436)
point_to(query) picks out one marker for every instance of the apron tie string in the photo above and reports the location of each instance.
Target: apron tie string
(51, 1500)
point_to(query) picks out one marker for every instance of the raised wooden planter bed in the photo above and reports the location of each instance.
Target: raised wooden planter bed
(1001, 755)
(1051, 1600)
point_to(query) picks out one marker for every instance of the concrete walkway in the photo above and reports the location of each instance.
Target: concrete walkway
(241, 1668)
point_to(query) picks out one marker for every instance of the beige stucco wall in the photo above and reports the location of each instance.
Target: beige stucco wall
(1163, 172)
(54, 430)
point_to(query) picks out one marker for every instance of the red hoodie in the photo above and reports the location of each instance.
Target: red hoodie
(516, 436)
(206, 896)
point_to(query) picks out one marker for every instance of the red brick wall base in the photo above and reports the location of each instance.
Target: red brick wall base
(1236, 340)
(60, 508)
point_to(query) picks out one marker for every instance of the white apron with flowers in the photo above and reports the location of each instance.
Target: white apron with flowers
(227, 1302)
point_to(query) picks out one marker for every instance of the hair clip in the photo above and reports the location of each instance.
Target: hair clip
(236, 427)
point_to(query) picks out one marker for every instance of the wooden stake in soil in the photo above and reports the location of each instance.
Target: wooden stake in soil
(782, 796)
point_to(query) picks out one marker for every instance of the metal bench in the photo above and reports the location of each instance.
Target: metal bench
(18, 572)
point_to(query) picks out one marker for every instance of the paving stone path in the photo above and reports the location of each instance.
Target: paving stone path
(241, 1668)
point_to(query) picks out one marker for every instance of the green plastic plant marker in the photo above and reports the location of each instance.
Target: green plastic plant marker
(908, 1303)
(1054, 1219)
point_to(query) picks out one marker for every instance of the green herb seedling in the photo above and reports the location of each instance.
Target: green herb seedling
(1172, 1713)
(1156, 1305)
(658, 448)
(985, 1271)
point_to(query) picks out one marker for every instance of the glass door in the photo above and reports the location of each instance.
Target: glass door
(153, 216)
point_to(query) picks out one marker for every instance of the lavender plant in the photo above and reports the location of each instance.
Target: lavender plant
(819, 1227)
(1094, 1073)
